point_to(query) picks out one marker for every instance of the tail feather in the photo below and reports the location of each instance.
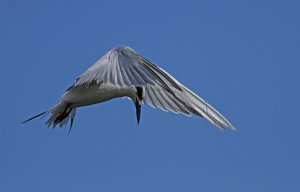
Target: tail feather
(31, 118)
(73, 113)
(61, 114)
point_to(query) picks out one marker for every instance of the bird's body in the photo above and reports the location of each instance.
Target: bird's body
(95, 93)
(123, 73)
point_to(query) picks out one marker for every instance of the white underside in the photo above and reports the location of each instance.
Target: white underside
(96, 93)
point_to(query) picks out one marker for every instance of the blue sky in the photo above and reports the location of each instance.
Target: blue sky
(241, 56)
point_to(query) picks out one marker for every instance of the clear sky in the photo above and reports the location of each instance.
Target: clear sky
(241, 56)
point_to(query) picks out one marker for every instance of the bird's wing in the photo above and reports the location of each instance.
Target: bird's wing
(123, 67)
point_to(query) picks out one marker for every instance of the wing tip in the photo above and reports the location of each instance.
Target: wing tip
(232, 128)
(222, 126)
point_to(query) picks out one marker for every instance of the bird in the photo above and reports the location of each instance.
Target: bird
(122, 72)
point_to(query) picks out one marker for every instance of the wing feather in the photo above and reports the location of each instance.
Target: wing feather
(158, 97)
(123, 67)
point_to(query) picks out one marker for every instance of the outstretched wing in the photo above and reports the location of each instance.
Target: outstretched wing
(123, 67)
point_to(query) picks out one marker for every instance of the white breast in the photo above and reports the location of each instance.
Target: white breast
(96, 94)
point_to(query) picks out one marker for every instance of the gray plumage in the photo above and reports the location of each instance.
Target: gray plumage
(120, 73)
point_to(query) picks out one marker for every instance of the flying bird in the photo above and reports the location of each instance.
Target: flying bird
(122, 72)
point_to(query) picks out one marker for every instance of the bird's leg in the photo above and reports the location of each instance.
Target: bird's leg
(138, 102)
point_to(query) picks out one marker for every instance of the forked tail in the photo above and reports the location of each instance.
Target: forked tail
(60, 115)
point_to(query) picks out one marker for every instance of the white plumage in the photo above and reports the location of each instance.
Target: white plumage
(123, 73)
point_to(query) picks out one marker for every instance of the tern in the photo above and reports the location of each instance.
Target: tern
(122, 72)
